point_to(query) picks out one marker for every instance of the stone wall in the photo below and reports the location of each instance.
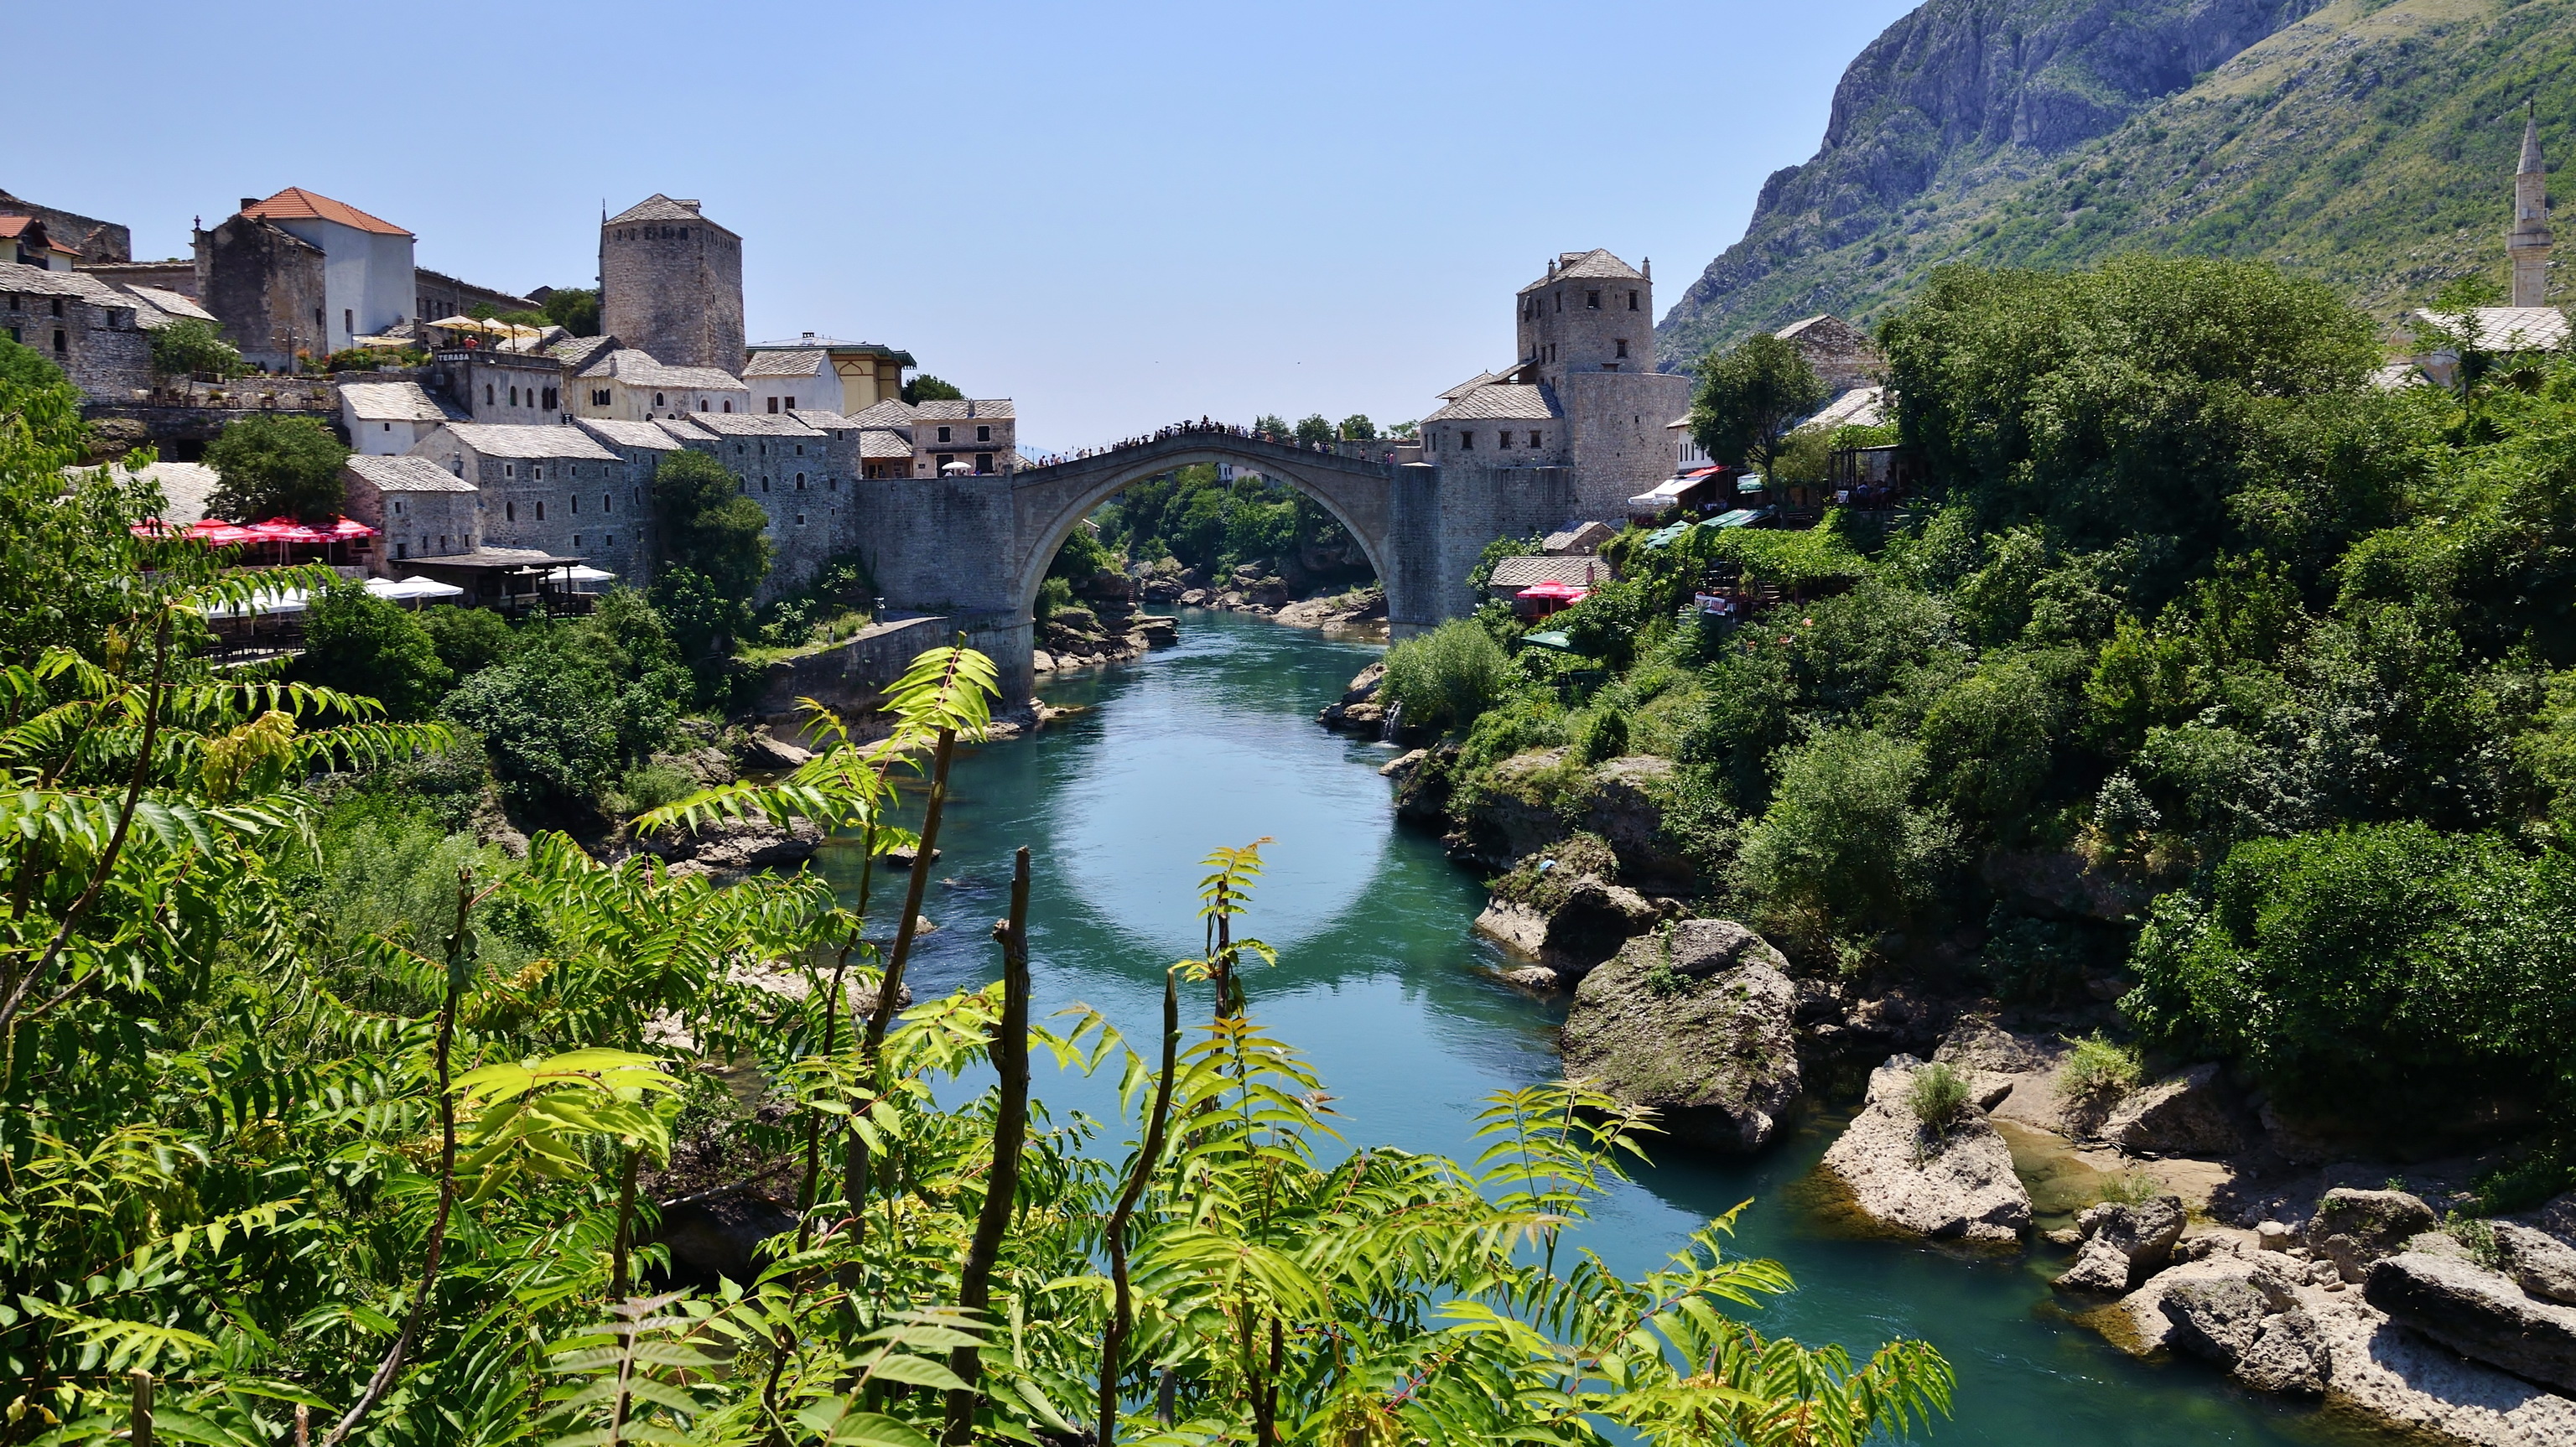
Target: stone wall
(851, 676)
(265, 287)
(94, 239)
(1617, 420)
(100, 348)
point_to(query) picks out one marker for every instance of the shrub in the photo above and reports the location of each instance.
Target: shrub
(190, 347)
(550, 741)
(358, 643)
(707, 526)
(1938, 1096)
(1988, 740)
(2097, 1073)
(468, 640)
(1600, 735)
(647, 787)
(277, 467)
(1447, 677)
(1844, 846)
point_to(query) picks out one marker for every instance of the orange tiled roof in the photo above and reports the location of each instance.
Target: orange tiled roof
(297, 204)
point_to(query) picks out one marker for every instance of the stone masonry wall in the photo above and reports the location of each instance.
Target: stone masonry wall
(1620, 445)
(265, 287)
(677, 297)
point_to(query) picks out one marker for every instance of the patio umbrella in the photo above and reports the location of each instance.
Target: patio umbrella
(216, 533)
(287, 530)
(347, 528)
(1552, 591)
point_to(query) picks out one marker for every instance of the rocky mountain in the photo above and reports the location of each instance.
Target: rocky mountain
(2366, 142)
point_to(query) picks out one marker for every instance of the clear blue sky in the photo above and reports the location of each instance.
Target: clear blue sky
(1117, 214)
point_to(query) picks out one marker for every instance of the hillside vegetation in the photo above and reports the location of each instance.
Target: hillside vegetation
(2368, 145)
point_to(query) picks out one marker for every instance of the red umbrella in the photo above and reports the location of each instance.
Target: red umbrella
(287, 530)
(155, 528)
(1553, 591)
(216, 533)
(347, 528)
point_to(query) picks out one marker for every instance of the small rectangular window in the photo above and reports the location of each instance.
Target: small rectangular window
(943, 434)
(1592, 299)
(1623, 347)
(1466, 442)
(773, 406)
(1632, 301)
(1503, 439)
(983, 434)
(62, 340)
(1534, 442)
(541, 511)
(349, 321)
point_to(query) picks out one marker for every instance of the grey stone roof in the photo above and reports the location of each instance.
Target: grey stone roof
(1583, 537)
(172, 302)
(577, 353)
(892, 412)
(658, 207)
(637, 368)
(1514, 574)
(817, 417)
(800, 363)
(627, 434)
(16, 276)
(390, 402)
(683, 431)
(185, 487)
(516, 440)
(1481, 379)
(1594, 265)
(1859, 407)
(880, 442)
(990, 409)
(752, 424)
(1500, 403)
(406, 474)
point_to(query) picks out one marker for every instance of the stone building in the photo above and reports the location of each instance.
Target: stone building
(366, 262)
(496, 385)
(671, 284)
(96, 241)
(550, 488)
(436, 295)
(978, 435)
(24, 240)
(99, 336)
(815, 373)
(631, 384)
(1841, 354)
(388, 419)
(2527, 243)
(1582, 395)
(424, 510)
(803, 475)
(264, 285)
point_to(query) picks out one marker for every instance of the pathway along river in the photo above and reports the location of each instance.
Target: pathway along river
(1379, 982)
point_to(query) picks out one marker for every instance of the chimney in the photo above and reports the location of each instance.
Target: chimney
(248, 202)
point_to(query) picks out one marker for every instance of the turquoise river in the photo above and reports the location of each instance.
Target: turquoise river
(1380, 983)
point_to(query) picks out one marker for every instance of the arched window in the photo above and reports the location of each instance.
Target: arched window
(800, 482)
(509, 512)
(541, 512)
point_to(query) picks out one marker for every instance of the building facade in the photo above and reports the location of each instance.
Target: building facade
(671, 284)
(817, 373)
(423, 509)
(366, 262)
(388, 419)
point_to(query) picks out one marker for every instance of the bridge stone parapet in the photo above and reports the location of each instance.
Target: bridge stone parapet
(976, 548)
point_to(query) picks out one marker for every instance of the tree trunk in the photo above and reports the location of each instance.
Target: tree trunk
(1010, 1130)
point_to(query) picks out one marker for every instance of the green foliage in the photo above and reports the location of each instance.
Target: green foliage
(550, 747)
(468, 640)
(1445, 678)
(194, 348)
(1599, 736)
(276, 467)
(1200, 522)
(924, 387)
(358, 643)
(1358, 428)
(705, 525)
(1845, 847)
(2389, 971)
(1938, 1097)
(1750, 397)
(575, 309)
(1054, 593)
(1314, 429)
(1989, 740)
(1496, 551)
(2098, 1072)
(1274, 427)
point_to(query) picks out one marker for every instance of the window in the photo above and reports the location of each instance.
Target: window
(657, 399)
(983, 434)
(1632, 301)
(398, 507)
(728, 406)
(800, 519)
(800, 482)
(791, 404)
(389, 427)
(983, 464)
(943, 434)
(348, 321)
(800, 449)
(1592, 299)
(509, 512)
(576, 505)
(1623, 347)
(773, 405)
(541, 511)
(551, 396)
(764, 484)
(612, 540)
(576, 540)
(607, 503)
(944, 459)
(1534, 440)
(536, 473)
(487, 394)
(1503, 439)
(509, 469)
(514, 396)
(402, 550)
(1466, 442)
(764, 449)
(599, 396)
(831, 484)
(318, 324)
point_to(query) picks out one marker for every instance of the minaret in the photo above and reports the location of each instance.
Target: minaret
(2528, 242)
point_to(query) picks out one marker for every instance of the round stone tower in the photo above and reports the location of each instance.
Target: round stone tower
(670, 282)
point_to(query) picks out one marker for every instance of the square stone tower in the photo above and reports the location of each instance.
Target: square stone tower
(670, 283)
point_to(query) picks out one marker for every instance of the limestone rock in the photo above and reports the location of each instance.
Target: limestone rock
(734, 845)
(1976, 1042)
(1041, 661)
(1358, 710)
(2100, 1269)
(1589, 921)
(1701, 1035)
(2218, 1318)
(2353, 1228)
(2288, 1356)
(2060, 884)
(1627, 810)
(1537, 978)
(1958, 1188)
(2478, 1314)
(2191, 1114)
(2274, 1235)
(2144, 1234)
(2543, 1264)
(717, 1236)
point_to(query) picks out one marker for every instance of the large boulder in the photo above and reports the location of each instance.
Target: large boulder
(1958, 1186)
(717, 1236)
(1359, 710)
(2191, 1114)
(729, 846)
(2289, 1356)
(2219, 1317)
(2479, 1314)
(2123, 1244)
(2544, 1265)
(1570, 926)
(1694, 1021)
(2353, 1228)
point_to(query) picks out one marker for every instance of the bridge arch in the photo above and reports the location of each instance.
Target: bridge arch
(1052, 501)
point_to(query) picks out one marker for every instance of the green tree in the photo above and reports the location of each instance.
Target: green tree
(1274, 427)
(705, 524)
(1749, 398)
(575, 309)
(358, 643)
(468, 640)
(551, 743)
(1358, 428)
(927, 388)
(193, 348)
(277, 467)
(1845, 848)
(65, 553)
(1315, 429)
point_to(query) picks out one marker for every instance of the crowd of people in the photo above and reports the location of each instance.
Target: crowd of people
(1202, 427)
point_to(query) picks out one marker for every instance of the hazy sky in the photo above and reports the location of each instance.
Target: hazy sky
(1117, 214)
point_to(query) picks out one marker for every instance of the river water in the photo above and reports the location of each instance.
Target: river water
(1379, 981)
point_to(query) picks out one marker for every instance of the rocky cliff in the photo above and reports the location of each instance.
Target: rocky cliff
(2366, 142)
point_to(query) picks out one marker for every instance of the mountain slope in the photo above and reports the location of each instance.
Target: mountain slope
(2369, 144)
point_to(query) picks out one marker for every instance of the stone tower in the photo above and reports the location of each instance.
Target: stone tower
(2528, 242)
(670, 282)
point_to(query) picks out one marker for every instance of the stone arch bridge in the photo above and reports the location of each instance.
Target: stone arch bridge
(975, 549)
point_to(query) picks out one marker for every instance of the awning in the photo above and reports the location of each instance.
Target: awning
(410, 590)
(1550, 639)
(1743, 517)
(266, 604)
(1663, 536)
(581, 574)
(1666, 493)
(1554, 591)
